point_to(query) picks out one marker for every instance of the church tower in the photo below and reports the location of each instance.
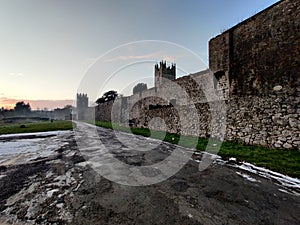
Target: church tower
(162, 71)
(82, 104)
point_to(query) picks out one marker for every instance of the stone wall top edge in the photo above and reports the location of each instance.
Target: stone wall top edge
(249, 19)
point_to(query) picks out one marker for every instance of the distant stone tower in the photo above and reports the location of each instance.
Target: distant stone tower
(161, 72)
(82, 103)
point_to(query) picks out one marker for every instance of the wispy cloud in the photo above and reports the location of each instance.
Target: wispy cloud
(88, 61)
(155, 55)
(168, 58)
(16, 74)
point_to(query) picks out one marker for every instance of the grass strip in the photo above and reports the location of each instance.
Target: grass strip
(280, 160)
(36, 127)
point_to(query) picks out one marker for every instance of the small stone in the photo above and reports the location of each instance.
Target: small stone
(296, 143)
(293, 115)
(287, 133)
(283, 139)
(255, 142)
(293, 122)
(287, 145)
(247, 140)
(190, 215)
(60, 205)
(277, 145)
(263, 143)
(277, 88)
(240, 134)
(263, 132)
(280, 121)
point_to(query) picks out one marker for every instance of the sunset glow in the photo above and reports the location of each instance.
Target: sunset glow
(36, 104)
(47, 47)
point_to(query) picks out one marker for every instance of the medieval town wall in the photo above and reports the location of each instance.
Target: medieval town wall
(260, 52)
(256, 66)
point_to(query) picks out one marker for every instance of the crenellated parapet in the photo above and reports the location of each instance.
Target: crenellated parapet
(163, 71)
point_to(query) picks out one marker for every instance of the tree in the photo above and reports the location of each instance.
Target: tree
(139, 88)
(22, 108)
(107, 96)
(68, 107)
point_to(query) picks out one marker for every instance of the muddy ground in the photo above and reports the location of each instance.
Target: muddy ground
(63, 188)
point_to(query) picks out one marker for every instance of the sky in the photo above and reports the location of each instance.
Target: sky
(47, 47)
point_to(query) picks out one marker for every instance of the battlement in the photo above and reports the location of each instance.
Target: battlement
(162, 71)
(82, 103)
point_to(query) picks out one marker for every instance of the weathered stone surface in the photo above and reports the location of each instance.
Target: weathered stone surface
(287, 145)
(259, 55)
(257, 71)
(293, 122)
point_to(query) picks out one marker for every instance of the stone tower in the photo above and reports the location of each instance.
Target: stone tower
(162, 71)
(82, 103)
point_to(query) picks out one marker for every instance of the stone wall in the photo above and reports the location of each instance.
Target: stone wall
(261, 52)
(272, 121)
(89, 114)
(103, 111)
(256, 66)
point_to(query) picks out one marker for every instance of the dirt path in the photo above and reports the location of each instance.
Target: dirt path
(64, 188)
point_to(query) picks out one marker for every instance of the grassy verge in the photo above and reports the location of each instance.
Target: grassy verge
(36, 127)
(279, 160)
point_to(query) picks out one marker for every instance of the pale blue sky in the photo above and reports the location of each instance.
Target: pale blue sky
(46, 46)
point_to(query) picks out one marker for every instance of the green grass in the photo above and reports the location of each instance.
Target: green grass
(36, 127)
(280, 160)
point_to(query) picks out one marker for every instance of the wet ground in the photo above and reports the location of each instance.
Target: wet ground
(47, 179)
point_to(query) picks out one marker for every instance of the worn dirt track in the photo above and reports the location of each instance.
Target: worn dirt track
(64, 189)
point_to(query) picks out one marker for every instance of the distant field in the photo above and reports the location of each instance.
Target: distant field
(280, 160)
(35, 127)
